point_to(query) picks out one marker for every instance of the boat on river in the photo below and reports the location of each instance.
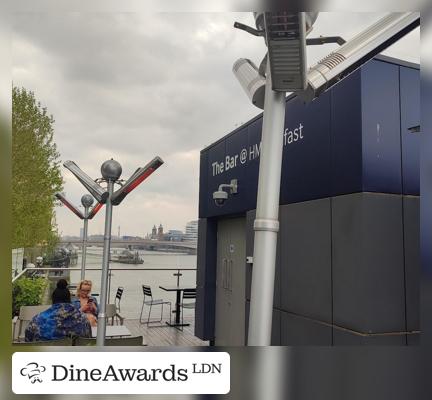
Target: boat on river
(127, 257)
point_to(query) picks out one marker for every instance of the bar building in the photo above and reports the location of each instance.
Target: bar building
(348, 259)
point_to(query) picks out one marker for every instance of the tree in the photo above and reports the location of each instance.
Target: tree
(36, 175)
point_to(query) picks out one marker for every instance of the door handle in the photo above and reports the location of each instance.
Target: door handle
(230, 275)
(224, 273)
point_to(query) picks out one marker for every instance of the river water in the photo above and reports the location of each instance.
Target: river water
(132, 277)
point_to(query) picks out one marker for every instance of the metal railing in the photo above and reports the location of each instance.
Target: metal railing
(39, 269)
(177, 274)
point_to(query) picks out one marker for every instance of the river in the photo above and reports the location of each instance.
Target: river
(132, 277)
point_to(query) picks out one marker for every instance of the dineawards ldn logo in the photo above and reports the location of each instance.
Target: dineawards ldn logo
(121, 372)
(33, 371)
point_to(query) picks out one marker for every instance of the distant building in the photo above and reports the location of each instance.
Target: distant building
(129, 237)
(154, 232)
(160, 233)
(174, 235)
(96, 237)
(191, 234)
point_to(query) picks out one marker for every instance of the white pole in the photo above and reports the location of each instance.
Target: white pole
(266, 225)
(101, 324)
(84, 246)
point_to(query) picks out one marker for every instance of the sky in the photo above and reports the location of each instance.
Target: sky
(131, 86)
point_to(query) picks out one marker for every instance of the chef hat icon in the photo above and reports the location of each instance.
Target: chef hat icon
(33, 371)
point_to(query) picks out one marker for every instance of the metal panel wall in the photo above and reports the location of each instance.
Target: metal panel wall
(381, 128)
(306, 162)
(346, 135)
(412, 260)
(410, 117)
(306, 286)
(206, 279)
(299, 331)
(368, 263)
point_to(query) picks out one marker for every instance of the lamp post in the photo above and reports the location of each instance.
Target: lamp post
(266, 224)
(111, 171)
(285, 35)
(87, 202)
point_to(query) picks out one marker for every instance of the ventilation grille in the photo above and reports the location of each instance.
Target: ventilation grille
(332, 60)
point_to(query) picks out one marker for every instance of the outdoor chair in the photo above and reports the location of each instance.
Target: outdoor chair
(111, 312)
(20, 322)
(118, 297)
(148, 293)
(188, 294)
(124, 341)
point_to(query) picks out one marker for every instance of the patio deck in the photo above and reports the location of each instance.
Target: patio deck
(165, 335)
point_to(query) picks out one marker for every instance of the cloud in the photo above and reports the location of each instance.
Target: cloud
(135, 85)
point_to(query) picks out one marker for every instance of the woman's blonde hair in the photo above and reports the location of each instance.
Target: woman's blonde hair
(80, 285)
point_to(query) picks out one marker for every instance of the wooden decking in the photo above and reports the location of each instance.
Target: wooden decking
(165, 335)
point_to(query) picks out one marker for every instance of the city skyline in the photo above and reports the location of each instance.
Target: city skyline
(115, 230)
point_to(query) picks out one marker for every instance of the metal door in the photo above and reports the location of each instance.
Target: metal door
(230, 283)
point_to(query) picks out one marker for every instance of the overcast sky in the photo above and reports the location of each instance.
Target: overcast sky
(132, 86)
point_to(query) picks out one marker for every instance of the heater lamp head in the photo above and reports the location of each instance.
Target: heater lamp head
(95, 210)
(95, 189)
(69, 205)
(137, 177)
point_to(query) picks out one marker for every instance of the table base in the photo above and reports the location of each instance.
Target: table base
(174, 325)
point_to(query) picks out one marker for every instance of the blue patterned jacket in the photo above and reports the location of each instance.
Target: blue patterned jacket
(59, 321)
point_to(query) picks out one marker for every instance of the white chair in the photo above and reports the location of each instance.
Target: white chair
(20, 322)
(111, 312)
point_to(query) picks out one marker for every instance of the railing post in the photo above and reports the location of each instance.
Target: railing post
(178, 275)
(109, 285)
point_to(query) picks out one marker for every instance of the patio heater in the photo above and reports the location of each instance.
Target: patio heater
(87, 202)
(284, 69)
(111, 171)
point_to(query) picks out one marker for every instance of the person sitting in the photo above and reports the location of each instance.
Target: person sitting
(59, 321)
(86, 303)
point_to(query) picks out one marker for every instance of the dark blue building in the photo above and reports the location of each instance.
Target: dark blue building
(348, 255)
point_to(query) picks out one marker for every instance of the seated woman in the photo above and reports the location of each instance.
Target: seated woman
(61, 320)
(86, 303)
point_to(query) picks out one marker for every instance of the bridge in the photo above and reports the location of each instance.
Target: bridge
(144, 244)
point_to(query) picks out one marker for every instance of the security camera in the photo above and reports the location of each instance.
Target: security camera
(252, 82)
(220, 196)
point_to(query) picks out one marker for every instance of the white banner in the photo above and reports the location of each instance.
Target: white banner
(120, 373)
